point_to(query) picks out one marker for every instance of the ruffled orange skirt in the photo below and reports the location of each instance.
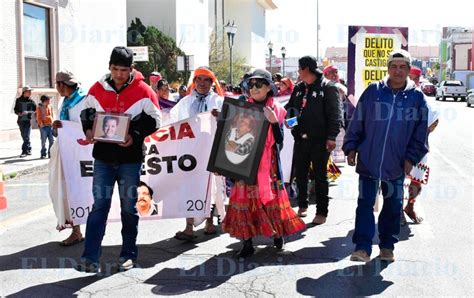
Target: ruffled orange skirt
(247, 217)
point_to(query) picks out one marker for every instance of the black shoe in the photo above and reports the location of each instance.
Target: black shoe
(247, 249)
(43, 156)
(87, 267)
(403, 220)
(127, 265)
(23, 154)
(278, 242)
(28, 153)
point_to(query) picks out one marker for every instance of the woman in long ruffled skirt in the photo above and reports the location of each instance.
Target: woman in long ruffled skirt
(263, 208)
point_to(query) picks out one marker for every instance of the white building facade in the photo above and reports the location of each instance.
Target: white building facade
(459, 49)
(186, 21)
(40, 37)
(250, 41)
(191, 22)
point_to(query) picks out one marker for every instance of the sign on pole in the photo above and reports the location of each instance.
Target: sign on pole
(368, 51)
(140, 54)
(190, 62)
(180, 63)
(185, 63)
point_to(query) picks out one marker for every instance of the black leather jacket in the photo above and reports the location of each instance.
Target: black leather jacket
(320, 119)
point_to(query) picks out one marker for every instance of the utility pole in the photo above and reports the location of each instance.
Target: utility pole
(317, 30)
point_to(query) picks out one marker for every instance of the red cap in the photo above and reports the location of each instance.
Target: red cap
(415, 71)
(288, 83)
(329, 68)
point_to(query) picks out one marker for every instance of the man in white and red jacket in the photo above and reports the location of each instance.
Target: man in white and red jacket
(121, 91)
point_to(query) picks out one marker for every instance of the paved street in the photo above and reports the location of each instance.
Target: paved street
(433, 258)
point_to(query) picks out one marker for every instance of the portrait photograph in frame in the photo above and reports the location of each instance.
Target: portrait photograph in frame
(110, 127)
(239, 141)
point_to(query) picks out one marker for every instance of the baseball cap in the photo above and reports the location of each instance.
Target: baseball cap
(415, 71)
(329, 68)
(265, 75)
(26, 88)
(399, 55)
(121, 56)
(66, 77)
(277, 76)
(311, 63)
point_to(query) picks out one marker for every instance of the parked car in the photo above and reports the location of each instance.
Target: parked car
(453, 88)
(428, 89)
(470, 97)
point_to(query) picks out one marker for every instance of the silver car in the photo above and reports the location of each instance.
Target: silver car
(470, 97)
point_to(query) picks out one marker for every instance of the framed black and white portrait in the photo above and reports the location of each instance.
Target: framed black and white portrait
(239, 142)
(110, 127)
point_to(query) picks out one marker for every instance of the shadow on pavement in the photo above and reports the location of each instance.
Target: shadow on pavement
(10, 157)
(360, 280)
(219, 269)
(65, 288)
(353, 281)
(51, 255)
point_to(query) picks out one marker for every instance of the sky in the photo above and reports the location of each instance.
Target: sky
(293, 24)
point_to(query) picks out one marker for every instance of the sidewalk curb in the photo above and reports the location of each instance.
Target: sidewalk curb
(19, 173)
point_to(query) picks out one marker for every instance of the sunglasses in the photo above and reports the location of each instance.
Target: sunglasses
(257, 84)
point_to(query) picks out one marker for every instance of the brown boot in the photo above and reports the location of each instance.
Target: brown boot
(74, 238)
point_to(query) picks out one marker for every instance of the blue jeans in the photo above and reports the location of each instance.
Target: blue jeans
(25, 131)
(389, 218)
(105, 175)
(46, 132)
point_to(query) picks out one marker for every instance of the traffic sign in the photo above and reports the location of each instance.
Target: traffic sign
(140, 54)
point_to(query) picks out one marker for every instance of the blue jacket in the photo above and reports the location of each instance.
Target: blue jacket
(386, 129)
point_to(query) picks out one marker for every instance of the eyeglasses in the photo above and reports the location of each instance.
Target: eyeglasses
(257, 84)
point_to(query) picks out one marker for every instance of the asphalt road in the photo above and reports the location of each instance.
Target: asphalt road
(433, 258)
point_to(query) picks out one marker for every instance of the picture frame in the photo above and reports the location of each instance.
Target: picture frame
(240, 138)
(110, 127)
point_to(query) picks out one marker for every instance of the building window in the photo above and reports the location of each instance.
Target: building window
(37, 49)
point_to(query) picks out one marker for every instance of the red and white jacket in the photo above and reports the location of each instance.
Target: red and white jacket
(136, 99)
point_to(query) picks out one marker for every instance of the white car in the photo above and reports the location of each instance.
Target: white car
(470, 97)
(454, 89)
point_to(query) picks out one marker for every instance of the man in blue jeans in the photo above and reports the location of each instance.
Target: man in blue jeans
(24, 108)
(387, 134)
(121, 91)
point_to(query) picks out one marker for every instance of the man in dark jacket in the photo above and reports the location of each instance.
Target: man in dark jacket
(387, 135)
(24, 108)
(121, 91)
(315, 103)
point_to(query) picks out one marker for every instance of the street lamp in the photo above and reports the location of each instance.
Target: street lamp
(230, 30)
(283, 54)
(270, 49)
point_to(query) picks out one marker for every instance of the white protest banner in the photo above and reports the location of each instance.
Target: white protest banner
(286, 154)
(174, 168)
(78, 169)
(175, 165)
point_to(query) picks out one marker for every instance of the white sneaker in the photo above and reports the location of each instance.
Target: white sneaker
(127, 265)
